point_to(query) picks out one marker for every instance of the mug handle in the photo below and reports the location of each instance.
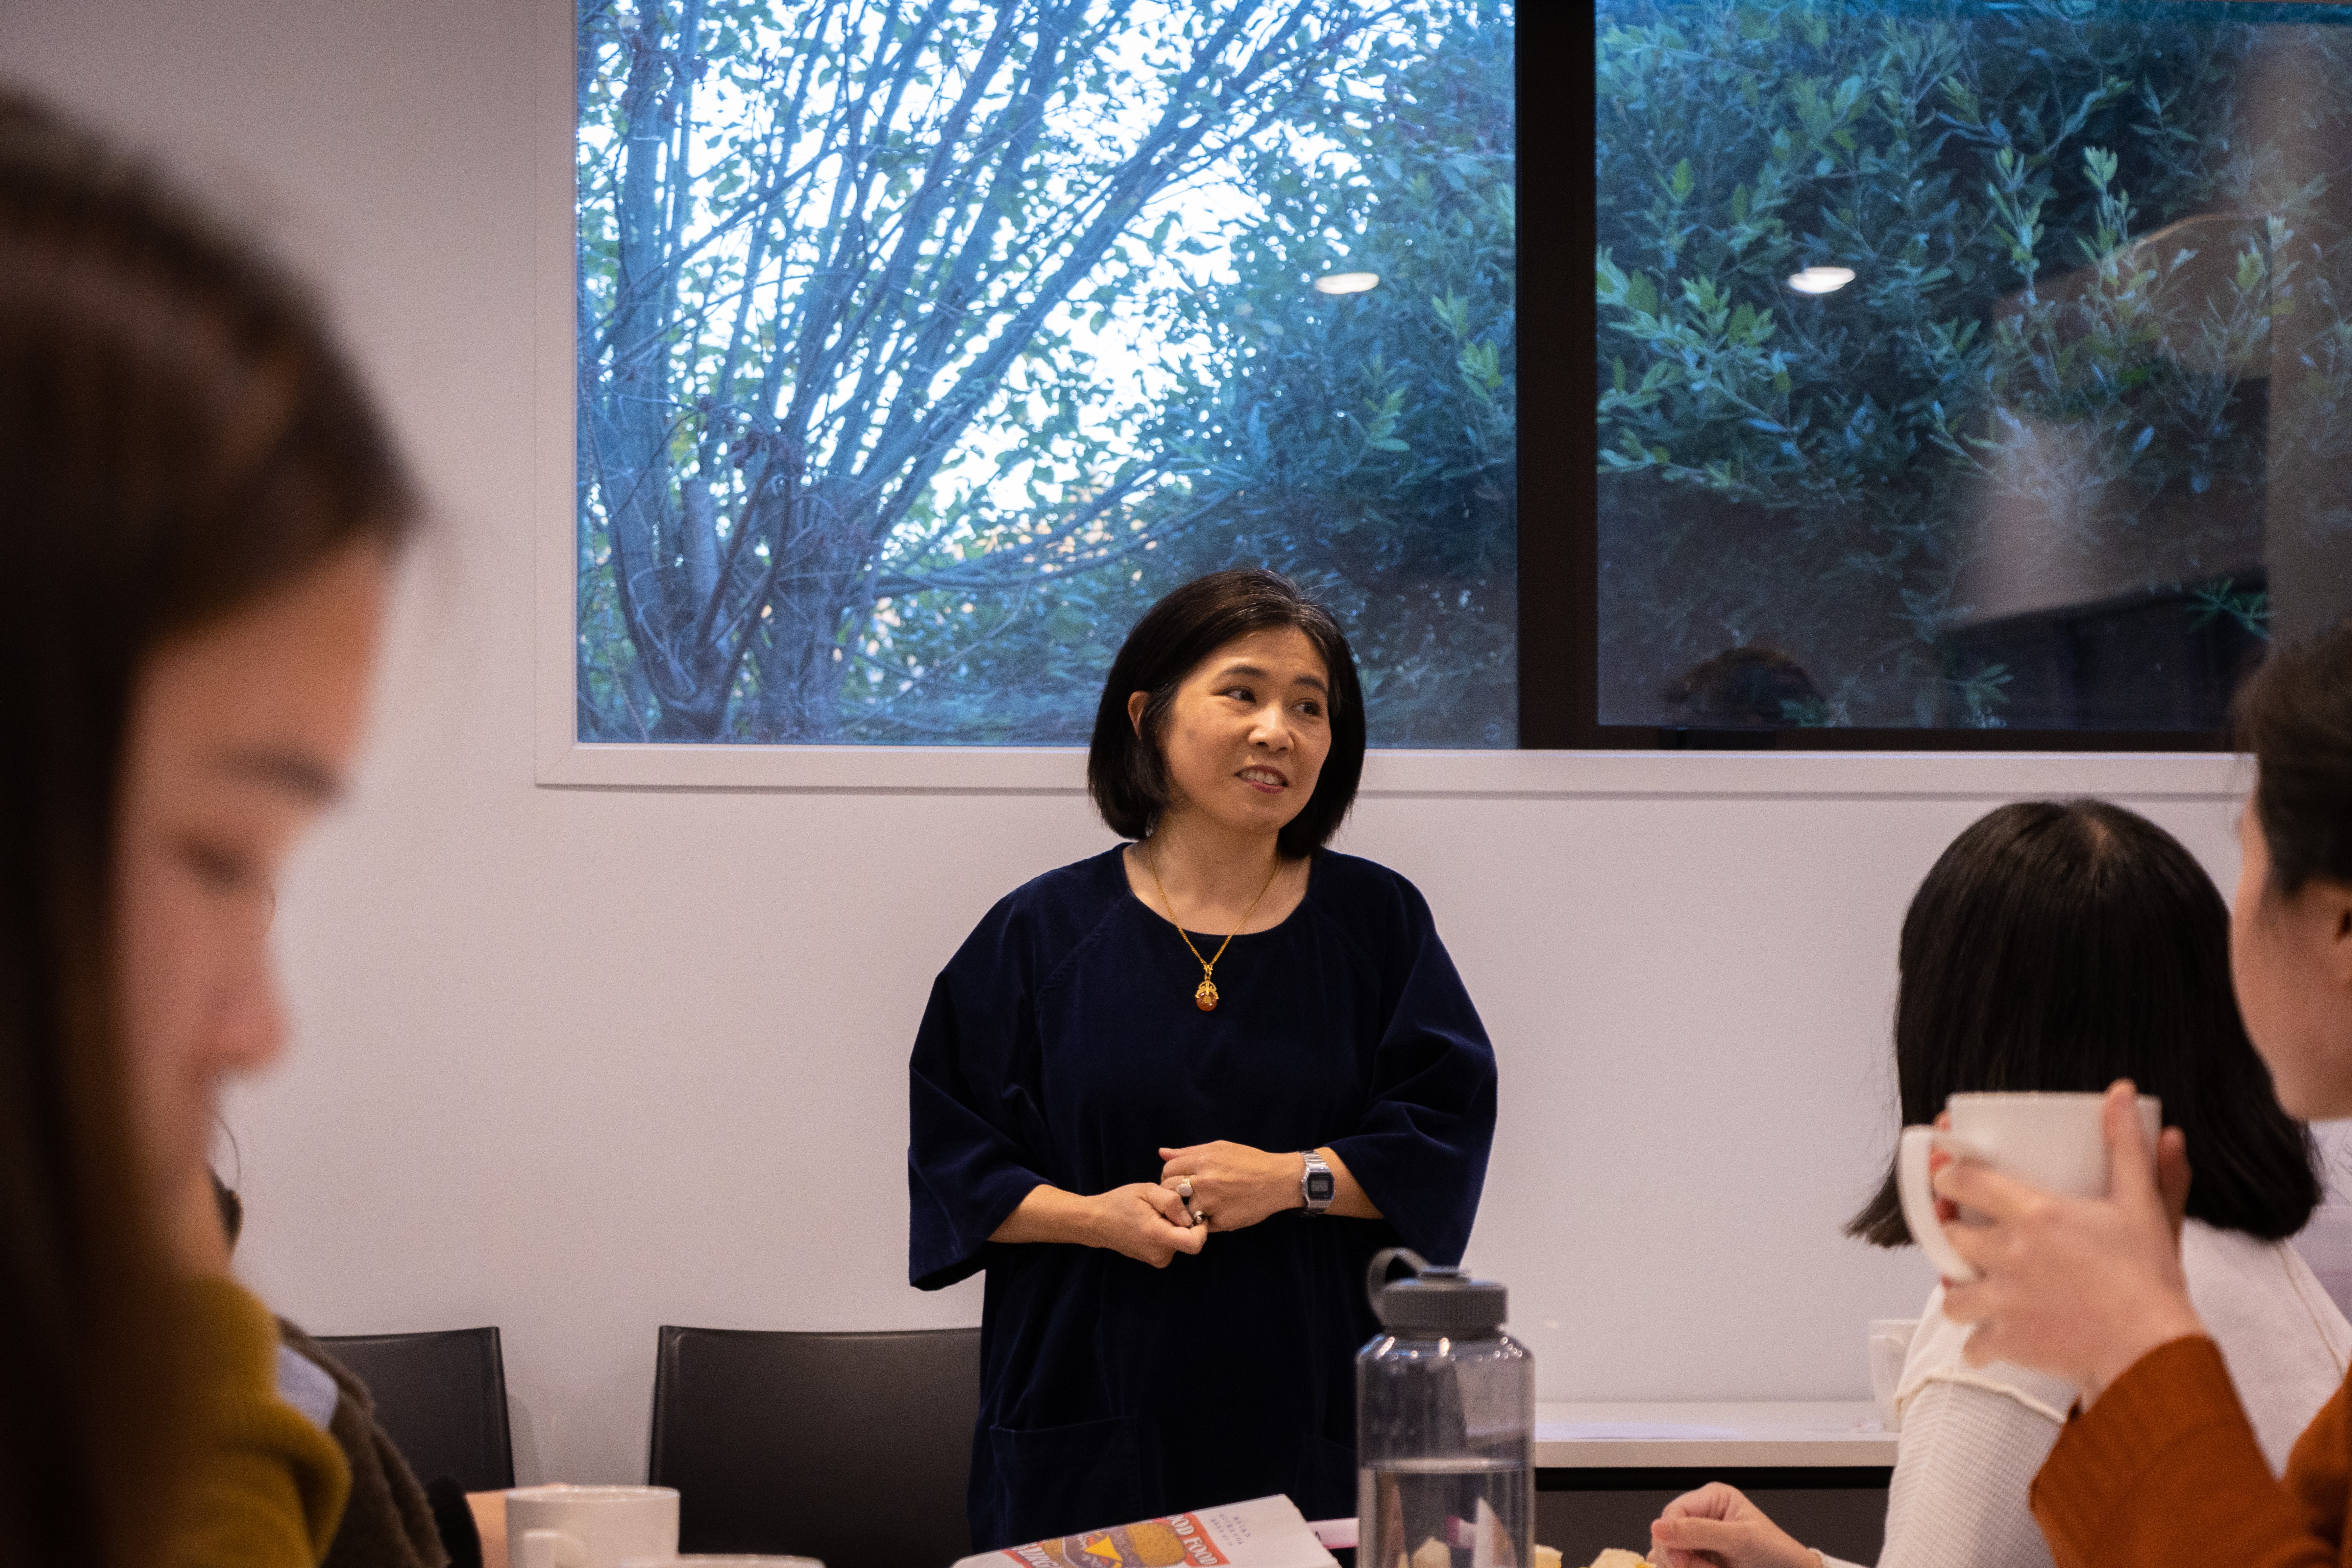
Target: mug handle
(1911, 1181)
(552, 1549)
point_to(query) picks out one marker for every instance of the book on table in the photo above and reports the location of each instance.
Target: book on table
(1266, 1532)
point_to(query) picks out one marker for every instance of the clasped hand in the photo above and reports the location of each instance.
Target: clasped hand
(1141, 1220)
(1233, 1185)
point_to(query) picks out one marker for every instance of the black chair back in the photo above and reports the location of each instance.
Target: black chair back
(441, 1399)
(851, 1448)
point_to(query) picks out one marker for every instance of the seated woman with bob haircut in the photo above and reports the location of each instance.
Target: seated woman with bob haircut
(1174, 1097)
(2056, 946)
(2167, 1462)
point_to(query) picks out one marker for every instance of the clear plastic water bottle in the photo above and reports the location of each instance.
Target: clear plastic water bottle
(1445, 1425)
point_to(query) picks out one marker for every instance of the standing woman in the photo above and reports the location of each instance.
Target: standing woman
(197, 511)
(1174, 1098)
(2159, 1465)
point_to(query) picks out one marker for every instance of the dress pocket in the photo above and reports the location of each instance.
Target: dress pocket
(1058, 1481)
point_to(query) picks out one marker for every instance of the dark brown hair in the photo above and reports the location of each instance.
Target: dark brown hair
(178, 439)
(2060, 945)
(1126, 772)
(2294, 714)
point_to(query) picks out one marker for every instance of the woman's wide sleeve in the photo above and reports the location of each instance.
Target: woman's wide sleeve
(2165, 1472)
(1420, 1152)
(975, 1133)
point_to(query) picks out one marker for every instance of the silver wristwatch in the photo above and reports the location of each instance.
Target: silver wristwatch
(1316, 1184)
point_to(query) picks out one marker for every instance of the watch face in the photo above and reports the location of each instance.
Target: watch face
(1321, 1185)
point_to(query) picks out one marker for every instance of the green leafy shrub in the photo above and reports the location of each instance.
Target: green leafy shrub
(2095, 313)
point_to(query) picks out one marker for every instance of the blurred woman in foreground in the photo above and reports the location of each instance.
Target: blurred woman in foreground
(2161, 1465)
(2056, 946)
(197, 509)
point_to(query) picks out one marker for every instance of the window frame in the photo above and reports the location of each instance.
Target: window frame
(1563, 752)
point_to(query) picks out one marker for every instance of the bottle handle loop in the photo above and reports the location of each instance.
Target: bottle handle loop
(1376, 1277)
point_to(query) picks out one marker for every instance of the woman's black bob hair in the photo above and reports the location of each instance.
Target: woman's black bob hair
(1126, 772)
(2060, 945)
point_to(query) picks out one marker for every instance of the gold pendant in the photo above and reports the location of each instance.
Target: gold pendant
(1205, 998)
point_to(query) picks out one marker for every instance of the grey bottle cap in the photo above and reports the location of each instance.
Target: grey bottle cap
(1433, 1299)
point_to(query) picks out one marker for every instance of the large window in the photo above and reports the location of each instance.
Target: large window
(920, 346)
(1974, 368)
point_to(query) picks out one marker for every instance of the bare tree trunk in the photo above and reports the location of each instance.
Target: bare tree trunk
(909, 277)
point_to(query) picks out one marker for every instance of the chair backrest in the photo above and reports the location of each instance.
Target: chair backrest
(441, 1399)
(851, 1448)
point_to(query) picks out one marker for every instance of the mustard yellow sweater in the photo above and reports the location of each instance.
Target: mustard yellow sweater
(269, 1490)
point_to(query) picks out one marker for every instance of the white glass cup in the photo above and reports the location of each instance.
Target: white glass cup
(2054, 1142)
(589, 1527)
(1890, 1348)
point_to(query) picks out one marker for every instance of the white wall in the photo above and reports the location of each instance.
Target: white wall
(583, 1062)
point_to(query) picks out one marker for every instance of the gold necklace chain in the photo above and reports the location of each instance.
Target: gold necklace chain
(1205, 998)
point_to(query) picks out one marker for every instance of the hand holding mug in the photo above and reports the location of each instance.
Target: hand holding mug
(2078, 1286)
(2051, 1142)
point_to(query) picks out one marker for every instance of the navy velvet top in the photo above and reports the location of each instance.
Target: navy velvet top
(1062, 1046)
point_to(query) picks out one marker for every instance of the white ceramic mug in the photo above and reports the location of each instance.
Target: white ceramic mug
(2054, 1142)
(589, 1527)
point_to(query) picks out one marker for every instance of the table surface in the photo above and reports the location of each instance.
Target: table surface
(1711, 1435)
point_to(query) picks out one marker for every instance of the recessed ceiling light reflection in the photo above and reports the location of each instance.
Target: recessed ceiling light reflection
(1820, 279)
(1349, 283)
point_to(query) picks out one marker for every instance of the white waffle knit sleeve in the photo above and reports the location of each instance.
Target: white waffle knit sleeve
(1972, 1440)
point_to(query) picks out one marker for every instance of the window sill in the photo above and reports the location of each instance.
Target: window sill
(1515, 774)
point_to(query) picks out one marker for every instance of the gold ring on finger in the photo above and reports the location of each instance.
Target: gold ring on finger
(1184, 1188)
